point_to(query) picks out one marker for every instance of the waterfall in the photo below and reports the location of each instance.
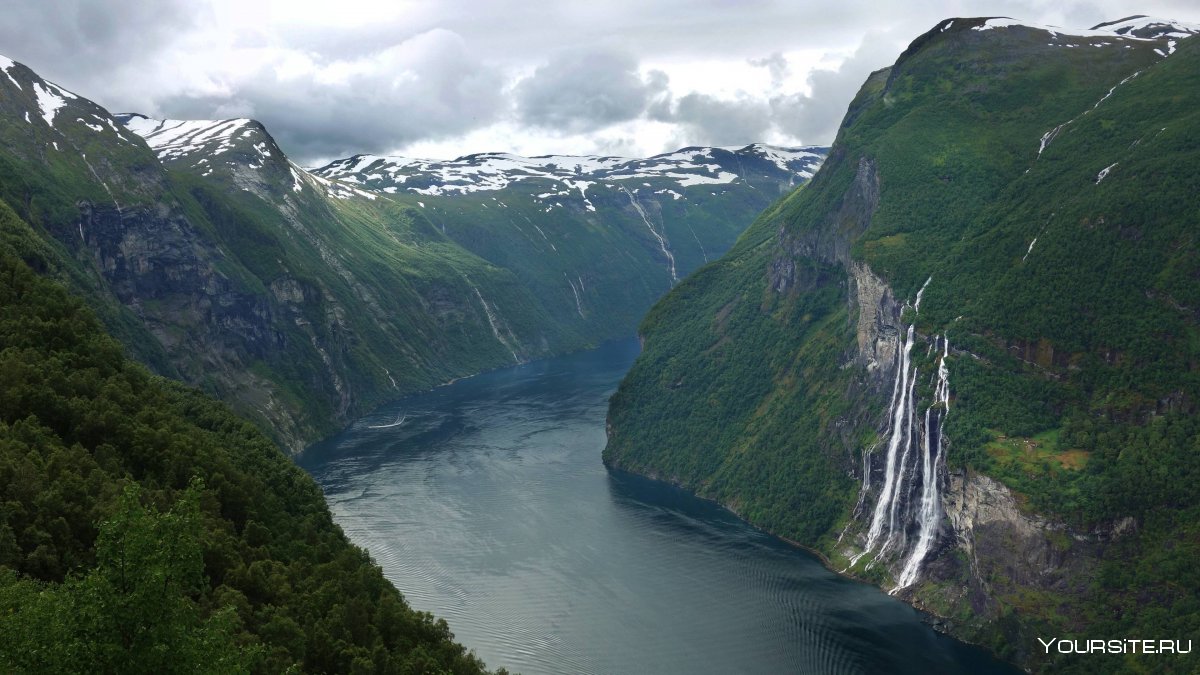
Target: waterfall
(900, 492)
(662, 242)
(899, 433)
(578, 305)
(491, 318)
(913, 459)
(929, 515)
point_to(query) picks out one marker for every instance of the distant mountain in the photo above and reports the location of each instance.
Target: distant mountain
(529, 214)
(964, 362)
(496, 171)
(306, 298)
(145, 527)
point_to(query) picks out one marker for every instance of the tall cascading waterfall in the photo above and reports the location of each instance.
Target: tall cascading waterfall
(931, 457)
(899, 434)
(909, 475)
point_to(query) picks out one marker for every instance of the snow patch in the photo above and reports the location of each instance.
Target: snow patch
(49, 102)
(1133, 29)
(176, 139)
(5, 64)
(94, 127)
(496, 171)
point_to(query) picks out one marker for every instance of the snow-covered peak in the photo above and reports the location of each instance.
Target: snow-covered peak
(1162, 35)
(236, 147)
(202, 140)
(799, 160)
(64, 112)
(1055, 31)
(1141, 28)
(49, 96)
(7, 64)
(1150, 27)
(496, 171)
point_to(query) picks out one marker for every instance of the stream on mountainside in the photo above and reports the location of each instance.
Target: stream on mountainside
(489, 506)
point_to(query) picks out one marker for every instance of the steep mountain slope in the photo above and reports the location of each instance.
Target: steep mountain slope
(962, 361)
(304, 301)
(597, 237)
(145, 528)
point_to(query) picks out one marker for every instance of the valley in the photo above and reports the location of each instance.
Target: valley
(266, 415)
(305, 298)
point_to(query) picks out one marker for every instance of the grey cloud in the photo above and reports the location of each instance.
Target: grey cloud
(814, 118)
(431, 86)
(122, 53)
(584, 90)
(72, 41)
(776, 64)
(712, 121)
(809, 118)
(617, 147)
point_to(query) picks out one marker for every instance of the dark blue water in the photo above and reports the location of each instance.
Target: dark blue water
(489, 507)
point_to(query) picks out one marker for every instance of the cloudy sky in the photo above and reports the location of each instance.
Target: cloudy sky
(444, 78)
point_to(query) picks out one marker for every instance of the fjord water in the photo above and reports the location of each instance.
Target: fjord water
(489, 506)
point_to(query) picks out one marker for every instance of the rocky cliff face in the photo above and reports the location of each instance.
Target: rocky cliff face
(989, 550)
(996, 555)
(212, 327)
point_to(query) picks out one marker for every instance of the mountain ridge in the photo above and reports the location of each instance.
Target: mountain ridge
(1017, 207)
(305, 300)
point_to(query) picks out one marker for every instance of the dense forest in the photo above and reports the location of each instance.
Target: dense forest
(145, 528)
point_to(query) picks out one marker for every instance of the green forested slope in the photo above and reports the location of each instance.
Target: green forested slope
(144, 528)
(731, 375)
(1074, 360)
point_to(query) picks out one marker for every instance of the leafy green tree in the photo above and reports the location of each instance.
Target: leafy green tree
(135, 612)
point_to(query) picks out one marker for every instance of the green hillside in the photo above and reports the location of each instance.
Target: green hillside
(1073, 358)
(145, 528)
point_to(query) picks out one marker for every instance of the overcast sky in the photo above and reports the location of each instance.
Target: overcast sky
(444, 78)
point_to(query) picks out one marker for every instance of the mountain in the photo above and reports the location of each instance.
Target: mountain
(146, 528)
(597, 239)
(962, 363)
(681, 202)
(490, 172)
(305, 300)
